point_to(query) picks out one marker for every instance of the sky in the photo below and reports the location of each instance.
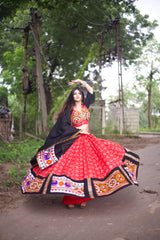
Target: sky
(110, 74)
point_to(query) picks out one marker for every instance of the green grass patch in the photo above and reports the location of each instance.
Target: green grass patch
(19, 154)
(150, 130)
(16, 174)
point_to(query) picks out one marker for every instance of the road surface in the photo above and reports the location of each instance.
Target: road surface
(130, 214)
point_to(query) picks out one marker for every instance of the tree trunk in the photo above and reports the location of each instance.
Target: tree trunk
(48, 89)
(35, 31)
(25, 80)
(149, 101)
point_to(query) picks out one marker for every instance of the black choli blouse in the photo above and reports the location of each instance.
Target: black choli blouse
(62, 130)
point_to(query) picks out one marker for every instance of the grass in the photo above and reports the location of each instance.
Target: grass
(150, 130)
(19, 154)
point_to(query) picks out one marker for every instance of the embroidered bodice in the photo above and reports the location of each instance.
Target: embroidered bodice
(80, 118)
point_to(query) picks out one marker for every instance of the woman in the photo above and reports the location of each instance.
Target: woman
(77, 164)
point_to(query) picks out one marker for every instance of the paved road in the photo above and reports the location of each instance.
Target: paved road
(130, 214)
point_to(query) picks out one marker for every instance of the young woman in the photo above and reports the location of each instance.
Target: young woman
(75, 163)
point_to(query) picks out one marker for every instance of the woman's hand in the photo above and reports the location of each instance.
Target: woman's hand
(75, 81)
(84, 129)
(84, 132)
(84, 84)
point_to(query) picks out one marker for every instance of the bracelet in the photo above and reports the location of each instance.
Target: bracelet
(84, 84)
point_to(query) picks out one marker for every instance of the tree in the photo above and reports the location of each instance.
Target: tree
(3, 97)
(70, 32)
(8, 7)
(147, 68)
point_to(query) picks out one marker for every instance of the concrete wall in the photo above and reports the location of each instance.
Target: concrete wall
(131, 118)
(97, 121)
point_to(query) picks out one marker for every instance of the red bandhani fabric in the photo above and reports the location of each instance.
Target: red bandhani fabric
(88, 157)
(74, 200)
(90, 168)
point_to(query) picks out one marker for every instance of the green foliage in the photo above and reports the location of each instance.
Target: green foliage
(3, 96)
(147, 69)
(71, 33)
(143, 129)
(58, 103)
(12, 76)
(156, 123)
(15, 108)
(8, 7)
(16, 174)
(19, 154)
(111, 129)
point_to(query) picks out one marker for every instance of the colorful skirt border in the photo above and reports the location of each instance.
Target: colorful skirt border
(119, 178)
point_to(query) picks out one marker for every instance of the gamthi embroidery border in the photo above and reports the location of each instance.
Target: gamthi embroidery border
(46, 157)
(65, 185)
(112, 183)
(118, 178)
(125, 175)
(32, 184)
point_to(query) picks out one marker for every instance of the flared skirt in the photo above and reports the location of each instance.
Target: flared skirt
(90, 168)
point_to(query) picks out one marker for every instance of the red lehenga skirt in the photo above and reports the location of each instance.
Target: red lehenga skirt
(90, 168)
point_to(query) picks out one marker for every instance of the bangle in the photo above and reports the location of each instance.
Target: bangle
(84, 84)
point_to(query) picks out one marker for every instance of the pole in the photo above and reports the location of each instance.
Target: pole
(120, 82)
(100, 40)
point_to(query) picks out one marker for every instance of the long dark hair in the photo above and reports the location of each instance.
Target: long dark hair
(69, 103)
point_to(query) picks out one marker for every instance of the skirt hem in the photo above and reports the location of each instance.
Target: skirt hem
(119, 177)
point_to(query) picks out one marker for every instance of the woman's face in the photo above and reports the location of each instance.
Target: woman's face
(77, 96)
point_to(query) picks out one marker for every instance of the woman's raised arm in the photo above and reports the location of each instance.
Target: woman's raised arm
(83, 83)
